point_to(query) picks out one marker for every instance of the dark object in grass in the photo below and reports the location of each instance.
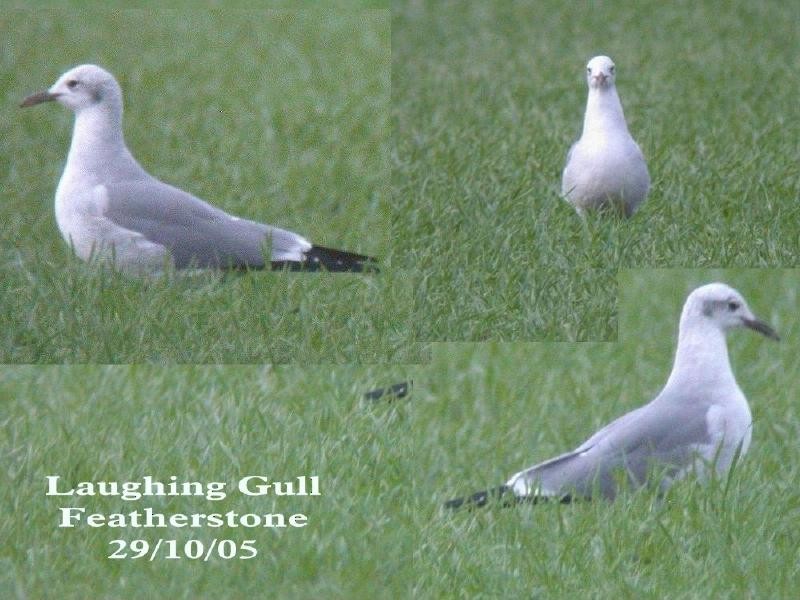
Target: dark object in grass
(320, 258)
(398, 390)
(503, 497)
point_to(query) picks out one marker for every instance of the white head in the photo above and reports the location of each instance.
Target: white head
(80, 88)
(600, 72)
(723, 307)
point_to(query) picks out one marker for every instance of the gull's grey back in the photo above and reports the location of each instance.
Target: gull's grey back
(193, 231)
(633, 444)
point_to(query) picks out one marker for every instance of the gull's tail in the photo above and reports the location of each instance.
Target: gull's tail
(320, 258)
(502, 496)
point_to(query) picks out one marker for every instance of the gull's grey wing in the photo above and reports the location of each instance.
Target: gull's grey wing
(662, 433)
(196, 233)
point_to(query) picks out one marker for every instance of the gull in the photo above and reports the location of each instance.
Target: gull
(108, 207)
(605, 168)
(699, 423)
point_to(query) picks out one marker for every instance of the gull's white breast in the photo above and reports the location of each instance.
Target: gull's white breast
(604, 169)
(81, 217)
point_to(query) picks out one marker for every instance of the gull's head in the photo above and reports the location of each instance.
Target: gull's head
(80, 88)
(600, 72)
(722, 306)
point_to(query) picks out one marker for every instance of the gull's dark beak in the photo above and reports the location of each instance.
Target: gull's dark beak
(38, 98)
(761, 328)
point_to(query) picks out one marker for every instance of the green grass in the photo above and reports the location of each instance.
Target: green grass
(477, 414)
(279, 116)
(206, 424)
(488, 97)
(215, 4)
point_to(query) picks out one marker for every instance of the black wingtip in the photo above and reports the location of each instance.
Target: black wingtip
(398, 390)
(478, 499)
(320, 258)
(504, 497)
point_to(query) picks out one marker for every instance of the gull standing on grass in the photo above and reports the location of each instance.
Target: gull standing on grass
(699, 422)
(109, 207)
(605, 168)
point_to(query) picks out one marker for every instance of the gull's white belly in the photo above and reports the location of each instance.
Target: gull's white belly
(93, 236)
(601, 173)
(729, 430)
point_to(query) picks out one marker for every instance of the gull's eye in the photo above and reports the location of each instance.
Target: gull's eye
(589, 70)
(612, 69)
(733, 306)
(72, 84)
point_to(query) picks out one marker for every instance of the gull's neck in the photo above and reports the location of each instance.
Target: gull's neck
(702, 355)
(603, 112)
(98, 147)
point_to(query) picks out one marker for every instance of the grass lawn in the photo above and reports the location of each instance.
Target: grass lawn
(216, 4)
(279, 116)
(88, 423)
(477, 414)
(488, 97)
